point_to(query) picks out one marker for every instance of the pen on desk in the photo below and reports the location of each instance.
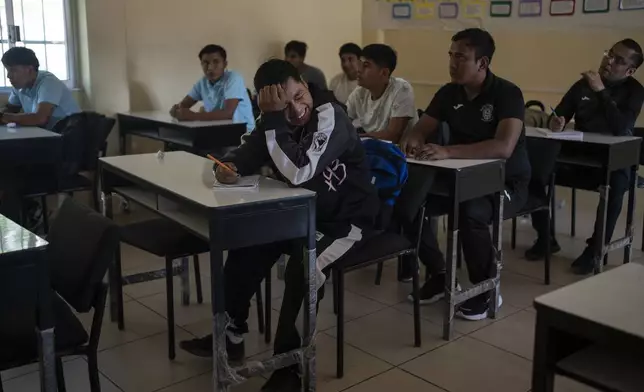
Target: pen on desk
(218, 162)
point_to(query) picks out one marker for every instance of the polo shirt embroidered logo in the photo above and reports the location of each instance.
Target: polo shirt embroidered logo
(486, 112)
(456, 107)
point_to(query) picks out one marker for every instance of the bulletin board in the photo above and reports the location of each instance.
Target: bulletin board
(513, 14)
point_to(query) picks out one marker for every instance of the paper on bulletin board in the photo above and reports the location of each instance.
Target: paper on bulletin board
(530, 8)
(562, 7)
(629, 5)
(473, 8)
(448, 10)
(500, 9)
(425, 10)
(401, 11)
(596, 6)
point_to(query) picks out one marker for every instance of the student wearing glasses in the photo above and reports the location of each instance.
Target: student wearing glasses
(607, 101)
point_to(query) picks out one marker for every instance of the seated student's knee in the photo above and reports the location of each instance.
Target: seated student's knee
(475, 214)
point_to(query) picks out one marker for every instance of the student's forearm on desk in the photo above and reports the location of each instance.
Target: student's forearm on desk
(26, 119)
(11, 109)
(215, 115)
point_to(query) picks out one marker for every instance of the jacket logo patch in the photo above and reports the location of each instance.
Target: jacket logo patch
(585, 98)
(456, 107)
(319, 140)
(334, 175)
(486, 112)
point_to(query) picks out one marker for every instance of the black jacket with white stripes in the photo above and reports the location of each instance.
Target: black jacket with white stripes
(324, 156)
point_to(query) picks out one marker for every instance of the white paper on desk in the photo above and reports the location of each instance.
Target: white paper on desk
(246, 183)
(568, 134)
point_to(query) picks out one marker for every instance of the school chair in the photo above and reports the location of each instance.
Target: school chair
(166, 239)
(84, 142)
(76, 270)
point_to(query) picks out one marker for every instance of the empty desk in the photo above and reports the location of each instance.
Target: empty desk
(193, 136)
(592, 331)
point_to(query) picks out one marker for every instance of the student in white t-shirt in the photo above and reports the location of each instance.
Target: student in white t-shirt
(382, 106)
(345, 82)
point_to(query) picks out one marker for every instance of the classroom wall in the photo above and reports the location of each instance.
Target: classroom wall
(543, 63)
(136, 59)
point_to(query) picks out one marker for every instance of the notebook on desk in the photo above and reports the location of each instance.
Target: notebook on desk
(568, 134)
(247, 183)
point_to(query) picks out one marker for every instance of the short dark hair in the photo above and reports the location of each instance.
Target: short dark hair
(209, 49)
(298, 47)
(382, 55)
(20, 55)
(479, 39)
(638, 56)
(350, 48)
(275, 71)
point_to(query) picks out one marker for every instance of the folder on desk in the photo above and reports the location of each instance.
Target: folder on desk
(567, 134)
(247, 183)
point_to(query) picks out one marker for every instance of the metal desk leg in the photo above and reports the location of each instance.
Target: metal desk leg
(497, 241)
(221, 379)
(450, 276)
(543, 375)
(114, 276)
(310, 305)
(630, 211)
(600, 242)
(122, 141)
(45, 332)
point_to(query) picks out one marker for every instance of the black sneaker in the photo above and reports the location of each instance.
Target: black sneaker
(433, 290)
(283, 380)
(640, 182)
(584, 264)
(475, 309)
(202, 347)
(538, 250)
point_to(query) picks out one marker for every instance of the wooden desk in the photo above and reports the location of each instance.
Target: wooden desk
(23, 268)
(192, 136)
(575, 322)
(179, 187)
(21, 146)
(467, 179)
(609, 153)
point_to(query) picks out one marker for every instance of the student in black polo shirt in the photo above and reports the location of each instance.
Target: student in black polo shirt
(604, 101)
(485, 116)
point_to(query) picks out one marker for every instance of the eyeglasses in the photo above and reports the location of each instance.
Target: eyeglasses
(619, 60)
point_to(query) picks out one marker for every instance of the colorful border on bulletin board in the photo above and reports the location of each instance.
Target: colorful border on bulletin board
(596, 6)
(401, 11)
(500, 8)
(631, 5)
(562, 7)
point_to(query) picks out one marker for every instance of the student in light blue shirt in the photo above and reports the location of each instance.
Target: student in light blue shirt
(222, 92)
(42, 97)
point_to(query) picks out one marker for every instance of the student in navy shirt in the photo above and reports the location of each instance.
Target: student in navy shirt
(42, 97)
(222, 92)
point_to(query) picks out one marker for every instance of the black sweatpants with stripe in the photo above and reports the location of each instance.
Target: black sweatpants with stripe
(246, 268)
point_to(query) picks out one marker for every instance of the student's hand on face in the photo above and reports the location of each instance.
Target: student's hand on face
(557, 123)
(432, 152)
(184, 114)
(272, 99)
(594, 80)
(225, 176)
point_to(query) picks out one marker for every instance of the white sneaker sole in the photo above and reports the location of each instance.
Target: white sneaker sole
(431, 300)
(476, 317)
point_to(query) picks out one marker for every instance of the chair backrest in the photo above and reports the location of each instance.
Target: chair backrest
(82, 244)
(539, 104)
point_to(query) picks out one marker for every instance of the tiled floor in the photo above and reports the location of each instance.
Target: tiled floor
(491, 355)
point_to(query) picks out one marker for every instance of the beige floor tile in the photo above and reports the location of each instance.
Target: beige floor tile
(515, 333)
(203, 383)
(389, 335)
(468, 365)
(143, 366)
(564, 384)
(358, 365)
(18, 372)
(254, 341)
(140, 322)
(394, 380)
(520, 291)
(76, 380)
(434, 314)
(389, 292)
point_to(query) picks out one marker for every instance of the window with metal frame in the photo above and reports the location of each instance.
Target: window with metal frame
(45, 26)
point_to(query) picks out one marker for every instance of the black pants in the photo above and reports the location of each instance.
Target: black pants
(246, 268)
(588, 179)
